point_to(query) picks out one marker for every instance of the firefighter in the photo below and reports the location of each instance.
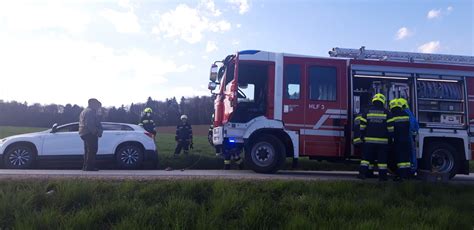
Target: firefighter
(375, 136)
(360, 124)
(146, 121)
(232, 155)
(414, 127)
(184, 136)
(400, 122)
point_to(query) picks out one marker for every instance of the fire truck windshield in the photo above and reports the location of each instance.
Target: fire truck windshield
(251, 91)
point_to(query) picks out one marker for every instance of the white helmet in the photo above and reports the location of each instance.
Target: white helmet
(184, 117)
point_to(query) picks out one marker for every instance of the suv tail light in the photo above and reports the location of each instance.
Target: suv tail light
(150, 135)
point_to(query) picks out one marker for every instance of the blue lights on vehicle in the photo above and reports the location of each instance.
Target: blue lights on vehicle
(232, 140)
(249, 51)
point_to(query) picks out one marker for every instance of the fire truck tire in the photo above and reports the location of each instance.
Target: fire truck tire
(441, 157)
(266, 154)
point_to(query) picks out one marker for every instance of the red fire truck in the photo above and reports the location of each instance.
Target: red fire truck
(278, 105)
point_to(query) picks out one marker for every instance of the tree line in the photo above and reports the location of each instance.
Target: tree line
(165, 113)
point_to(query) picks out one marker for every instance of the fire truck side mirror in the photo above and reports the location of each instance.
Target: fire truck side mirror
(213, 74)
(212, 86)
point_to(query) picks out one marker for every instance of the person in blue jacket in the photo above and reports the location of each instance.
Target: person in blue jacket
(414, 127)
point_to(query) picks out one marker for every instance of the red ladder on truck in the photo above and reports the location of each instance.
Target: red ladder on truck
(362, 53)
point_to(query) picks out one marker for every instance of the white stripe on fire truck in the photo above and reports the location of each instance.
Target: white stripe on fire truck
(298, 125)
(336, 111)
(329, 133)
(311, 126)
(325, 117)
(278, 100)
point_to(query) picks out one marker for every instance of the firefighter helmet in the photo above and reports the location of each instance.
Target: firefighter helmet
(403, 102)
(184, 117)
(378, 97)
(147, 110)
(395, 103)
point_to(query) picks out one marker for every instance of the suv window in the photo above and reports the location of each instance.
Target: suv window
(116, 127)
(68, 128)
(322, 83)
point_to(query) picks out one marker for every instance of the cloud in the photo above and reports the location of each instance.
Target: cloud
(432, 14)
(211, 47)
(211, 7)
(188, 24)
(126, 4)
(188, 91)
(430, 47)
(124, 22)
(403, 33)
(242, 5)
(239, 25)
(64, 70)
(36, 15)
(449, 9)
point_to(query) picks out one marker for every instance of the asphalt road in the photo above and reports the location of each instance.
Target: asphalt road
(192, 174)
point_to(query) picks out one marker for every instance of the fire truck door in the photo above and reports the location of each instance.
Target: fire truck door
(325, 107)
(293, 97)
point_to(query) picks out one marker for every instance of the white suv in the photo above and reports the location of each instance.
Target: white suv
(127, 146)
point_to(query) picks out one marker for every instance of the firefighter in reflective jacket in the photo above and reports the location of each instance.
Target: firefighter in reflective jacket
(400, 122)
(360, 124)
(146, 121)
(184, 136)
(375, 135)
(414, 127)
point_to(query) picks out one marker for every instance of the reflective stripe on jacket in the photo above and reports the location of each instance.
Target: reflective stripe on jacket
(376, 129)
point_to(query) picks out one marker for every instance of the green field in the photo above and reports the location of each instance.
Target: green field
(223, 204)
(202, 156)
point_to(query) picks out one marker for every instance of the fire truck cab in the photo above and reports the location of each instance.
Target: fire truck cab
(275, 106)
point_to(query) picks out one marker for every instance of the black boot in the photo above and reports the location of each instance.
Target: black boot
(362, 173)
(382, 175)
(370, 174)
(294, 163)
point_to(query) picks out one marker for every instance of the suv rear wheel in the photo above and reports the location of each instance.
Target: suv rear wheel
(129, 157)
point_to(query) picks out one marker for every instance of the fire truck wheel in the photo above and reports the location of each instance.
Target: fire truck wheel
(441, 157)
(265, 155)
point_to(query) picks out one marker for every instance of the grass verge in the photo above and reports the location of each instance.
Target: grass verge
(233, 205)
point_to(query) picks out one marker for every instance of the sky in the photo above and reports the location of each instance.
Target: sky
(124, 51)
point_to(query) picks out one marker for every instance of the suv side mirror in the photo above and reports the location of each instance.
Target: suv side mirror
(54, 128)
